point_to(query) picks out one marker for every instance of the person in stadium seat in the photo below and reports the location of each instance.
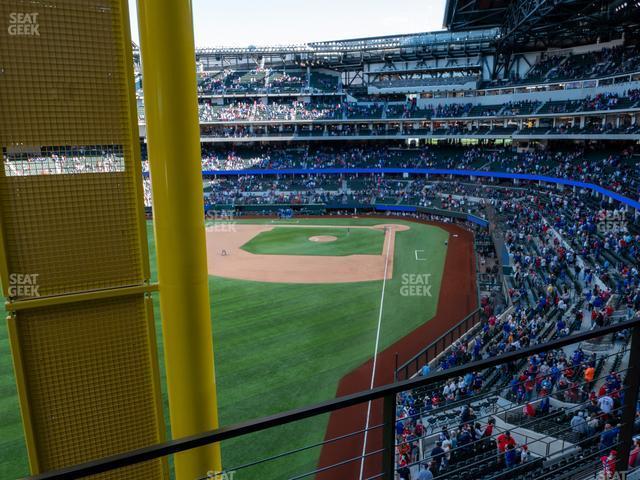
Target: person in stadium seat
(605, 403)
(447, 446)
(437, 455)
(529, 410)
(589, 375)
(444, 434)
(525, 454)
(425, 473)
(504, 440)
(488, 430)
(467, 414)
(510, 456)
(579, 425)
(608, 437)
(465, 439)
(634, 456)
(404, 472)
(594, 424)
(609, 465)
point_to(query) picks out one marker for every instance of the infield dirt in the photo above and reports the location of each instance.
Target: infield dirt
(227, 259)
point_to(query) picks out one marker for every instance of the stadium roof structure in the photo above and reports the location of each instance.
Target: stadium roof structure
(546, 23)
(423, 39)
(475, 28)
(350, 52)
(470, 14)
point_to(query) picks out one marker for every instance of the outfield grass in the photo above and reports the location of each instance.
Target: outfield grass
(13, 453)
(280, 346)
(296, 241)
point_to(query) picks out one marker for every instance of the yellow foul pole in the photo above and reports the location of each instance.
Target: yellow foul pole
(173, 141)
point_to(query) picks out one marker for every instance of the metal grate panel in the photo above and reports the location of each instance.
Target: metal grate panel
(71, 222)
(66, 81)
(75, 232)
(88, 382)
(65, 99)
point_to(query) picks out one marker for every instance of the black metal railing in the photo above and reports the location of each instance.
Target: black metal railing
(388, 393)
(438, 346)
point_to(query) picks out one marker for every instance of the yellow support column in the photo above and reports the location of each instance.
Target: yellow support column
(173, 141)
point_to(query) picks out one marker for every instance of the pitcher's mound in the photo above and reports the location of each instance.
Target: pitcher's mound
(323, 238)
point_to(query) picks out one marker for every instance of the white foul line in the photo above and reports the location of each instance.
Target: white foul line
(375, 359)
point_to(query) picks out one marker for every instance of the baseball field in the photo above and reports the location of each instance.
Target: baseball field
(300, 308)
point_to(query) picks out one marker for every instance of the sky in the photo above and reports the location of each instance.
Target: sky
(241, 23)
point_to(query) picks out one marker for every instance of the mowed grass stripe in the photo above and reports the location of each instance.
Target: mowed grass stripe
(297, 241)
(13, 452)
(304, 344)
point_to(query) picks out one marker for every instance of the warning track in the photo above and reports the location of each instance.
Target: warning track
(457, 299)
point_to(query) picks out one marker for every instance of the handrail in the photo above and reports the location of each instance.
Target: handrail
(251, 426)
(440, 340)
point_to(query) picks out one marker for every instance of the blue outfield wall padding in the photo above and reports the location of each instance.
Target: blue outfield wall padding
(429, 171)
(395, 208)
(480, 221)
